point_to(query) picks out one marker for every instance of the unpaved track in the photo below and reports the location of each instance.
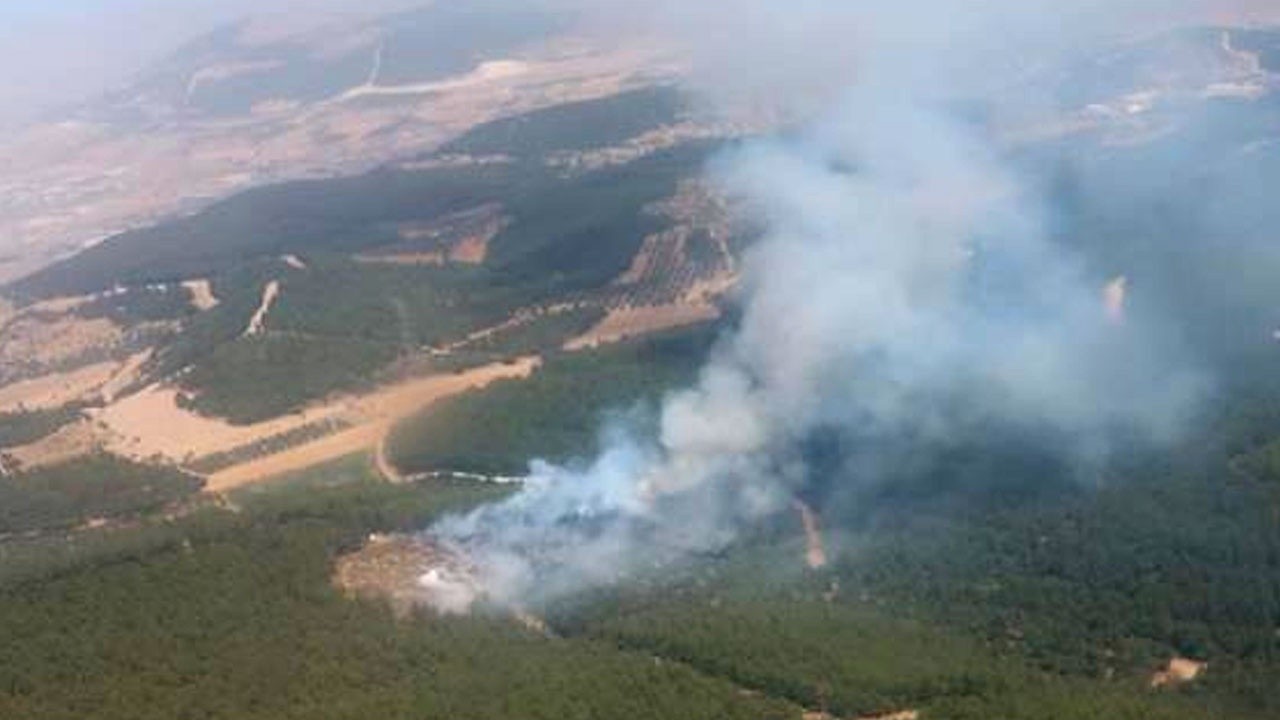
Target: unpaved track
(269, 294)
(380, 411)
(626, 323)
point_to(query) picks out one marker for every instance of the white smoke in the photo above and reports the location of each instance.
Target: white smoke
(906, 266)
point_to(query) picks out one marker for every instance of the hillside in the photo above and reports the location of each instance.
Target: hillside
(297, 300)
(261, 102)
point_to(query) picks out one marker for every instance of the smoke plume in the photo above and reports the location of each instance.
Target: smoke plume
(908, 279)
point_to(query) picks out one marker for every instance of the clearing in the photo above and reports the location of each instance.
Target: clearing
(202, 297)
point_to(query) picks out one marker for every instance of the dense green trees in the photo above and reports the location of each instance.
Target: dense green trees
(20, 428)
(555, 415)
(232, 616)
(96, 487)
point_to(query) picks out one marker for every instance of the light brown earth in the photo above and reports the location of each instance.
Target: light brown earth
(330, 447)
(900, 715)
(258, 321)
(472, 250)
(57, 389)
(75, 440)
(1179, 671)
(373, 417)
(58, 306)
(422, 258)
(128, 373)
(394, 567)
(662, 289)
(44, 341)
(626, 323)
(460, 237)
(202, 297)
(150, 424)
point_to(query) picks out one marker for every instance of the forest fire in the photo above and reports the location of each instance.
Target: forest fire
(410, 572)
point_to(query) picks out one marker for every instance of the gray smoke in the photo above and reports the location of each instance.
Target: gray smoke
(907, 268)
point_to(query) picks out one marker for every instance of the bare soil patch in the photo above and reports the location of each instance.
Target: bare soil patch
(57, 389)
(1179, 671)
(128, 374)
(269, 295)
(150, 424)
(627, 323)
(36, 339)
(408, 571)
(71, 442)
(202, 297)
(372, 416)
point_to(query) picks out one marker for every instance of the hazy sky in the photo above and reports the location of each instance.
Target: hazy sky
(54, 52)
(58, 51)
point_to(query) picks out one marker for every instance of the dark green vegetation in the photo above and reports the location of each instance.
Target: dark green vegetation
(574, 126)
(340, 322)
(265, 376)
(555, 415)
(21, 428)
(1056, 598)
(140, 304)
(97, 487)
(852, 660)
(363, 212)
(1058, 608)
(232, 616)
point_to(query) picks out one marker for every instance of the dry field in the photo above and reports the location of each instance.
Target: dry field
(73, 441)
(58, 389)
(44, 341)
(151, 426)
(628, 323)
(372, 417)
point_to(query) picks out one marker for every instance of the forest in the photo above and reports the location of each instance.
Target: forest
(555, 415)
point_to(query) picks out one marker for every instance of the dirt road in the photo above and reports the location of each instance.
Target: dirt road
(269, 294)
(377, 412)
